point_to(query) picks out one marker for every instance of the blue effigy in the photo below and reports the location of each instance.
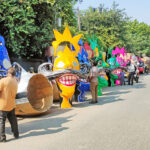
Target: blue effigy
(4, 58)
(82, 86)
(83, 57)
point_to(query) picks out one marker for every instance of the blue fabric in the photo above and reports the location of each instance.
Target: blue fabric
(122, 75)
(83, 57)
(3, 56)
(83, 87)
(80, 42)
(49, 60)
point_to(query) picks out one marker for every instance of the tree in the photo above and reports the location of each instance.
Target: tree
(109, 25)
(27, 26)
(141, 37)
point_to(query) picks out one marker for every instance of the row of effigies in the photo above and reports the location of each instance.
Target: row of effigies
(39, 87)
(67, 76)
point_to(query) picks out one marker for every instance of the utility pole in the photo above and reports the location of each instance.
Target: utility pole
(78, 15)
(79, 21)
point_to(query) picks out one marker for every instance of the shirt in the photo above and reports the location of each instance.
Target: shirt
(122, 75)
(131, 68)
(94, 74)
(8, 91)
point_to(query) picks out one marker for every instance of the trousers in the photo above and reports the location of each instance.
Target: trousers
(130, 78)
(12, 120)
(122, 81)
(94, 91)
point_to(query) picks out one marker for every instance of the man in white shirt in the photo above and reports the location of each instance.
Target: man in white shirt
(131, 70)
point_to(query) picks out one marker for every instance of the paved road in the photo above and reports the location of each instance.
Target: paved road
(120, 121)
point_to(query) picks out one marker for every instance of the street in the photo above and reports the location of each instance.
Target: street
(119, 121)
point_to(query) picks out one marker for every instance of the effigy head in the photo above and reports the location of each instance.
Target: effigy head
(94, 45)
(112, 61)
(121, 61)
(84, 62)
(134, 60)
(4, 58)
(88, 50)
(66, 60)
(101, 60)
(120, 56)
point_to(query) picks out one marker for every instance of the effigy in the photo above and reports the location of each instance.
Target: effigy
(141, 65)
(113, 66)
(89, 50)
(99, 56)
(82, 86)
(4, 58)
(102, 78)
(146, 63)
(122, 60)
(66, 61)
(120, 56)
(39, 96)
(94, 46)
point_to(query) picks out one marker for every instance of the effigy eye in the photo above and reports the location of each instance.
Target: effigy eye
(60, 64)
(75, 64)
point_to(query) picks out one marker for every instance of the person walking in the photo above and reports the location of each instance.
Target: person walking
(94, 82)
(8, 90)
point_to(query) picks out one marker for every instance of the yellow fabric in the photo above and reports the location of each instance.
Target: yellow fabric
(8, 90)
(96, 52)
(66, 37)
(66, 60)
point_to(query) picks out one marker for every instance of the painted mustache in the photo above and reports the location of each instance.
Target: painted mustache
(65, 74)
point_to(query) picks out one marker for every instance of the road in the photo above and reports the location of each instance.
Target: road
(120, 121)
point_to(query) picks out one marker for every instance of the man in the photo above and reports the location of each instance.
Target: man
(131, 70)
(8, 90)
(94, 82)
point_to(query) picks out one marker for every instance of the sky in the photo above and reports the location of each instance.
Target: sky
(137, 9)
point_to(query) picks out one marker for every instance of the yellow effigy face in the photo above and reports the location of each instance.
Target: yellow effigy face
(66, 60)
(67, 82)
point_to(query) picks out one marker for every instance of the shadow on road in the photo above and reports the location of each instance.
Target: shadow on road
(116, 93)
(43, 126)
(125, 87)
(112, 99)
(101, 101)
(112, 94)
(49, 125)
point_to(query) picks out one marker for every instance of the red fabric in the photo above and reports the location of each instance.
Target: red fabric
(88, 48)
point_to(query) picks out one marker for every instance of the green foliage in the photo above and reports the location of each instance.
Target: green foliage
(113, 28)
(27, 26)
(16, 25)
(140, 41)
(108, 25)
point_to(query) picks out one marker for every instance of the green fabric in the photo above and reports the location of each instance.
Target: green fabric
(112, 64)
(101, 83)
(113, 78)
(94, 44)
